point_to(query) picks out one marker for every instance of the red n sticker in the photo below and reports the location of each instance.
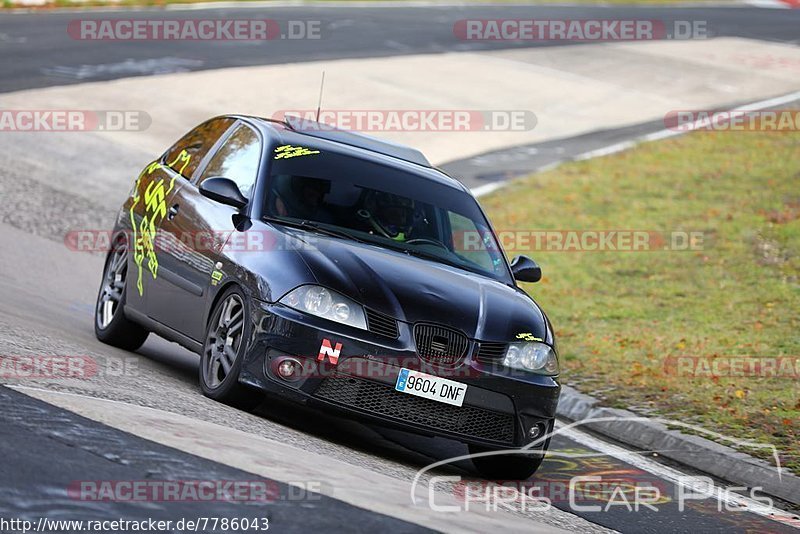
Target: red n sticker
(327, 350)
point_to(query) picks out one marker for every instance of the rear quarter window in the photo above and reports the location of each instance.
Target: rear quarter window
(185, 156)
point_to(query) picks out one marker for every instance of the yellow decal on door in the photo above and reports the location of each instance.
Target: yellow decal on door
(155, 209)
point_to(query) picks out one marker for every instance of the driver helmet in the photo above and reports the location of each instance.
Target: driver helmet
(393, 214)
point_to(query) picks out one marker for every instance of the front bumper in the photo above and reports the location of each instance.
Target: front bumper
(499, 409)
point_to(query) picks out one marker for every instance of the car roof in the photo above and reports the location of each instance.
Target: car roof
(323, 131)
(355, 144)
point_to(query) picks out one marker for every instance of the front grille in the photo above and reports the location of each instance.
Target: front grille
(380, 399)
(440, 345)
(381, 324)
(491, 352)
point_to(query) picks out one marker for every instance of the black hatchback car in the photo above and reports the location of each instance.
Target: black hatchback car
(336, 270)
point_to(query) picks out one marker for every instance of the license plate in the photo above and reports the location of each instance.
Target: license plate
(430, 387)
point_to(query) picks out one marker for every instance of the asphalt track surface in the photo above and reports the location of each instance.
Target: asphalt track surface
(81, 446)
(48, 294)
(36, 50)
(32, 428)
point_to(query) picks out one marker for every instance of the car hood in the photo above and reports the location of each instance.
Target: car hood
(414, 290)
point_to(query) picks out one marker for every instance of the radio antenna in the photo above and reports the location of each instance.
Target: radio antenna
(319, 103)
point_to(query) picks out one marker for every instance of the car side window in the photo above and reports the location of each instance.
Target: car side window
(469, 243)
(185, 155)
(237, 159)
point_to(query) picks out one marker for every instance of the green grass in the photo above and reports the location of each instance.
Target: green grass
(619, 315)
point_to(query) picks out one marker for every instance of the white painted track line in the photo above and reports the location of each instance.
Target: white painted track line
(655, 136)
(673, 475)
(360, 487)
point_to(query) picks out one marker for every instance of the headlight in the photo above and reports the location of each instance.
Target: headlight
(532, 356)
(322, 302)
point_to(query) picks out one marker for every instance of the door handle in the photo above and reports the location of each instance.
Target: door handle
(173, 211)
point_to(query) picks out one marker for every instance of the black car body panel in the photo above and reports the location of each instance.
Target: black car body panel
(177, 284)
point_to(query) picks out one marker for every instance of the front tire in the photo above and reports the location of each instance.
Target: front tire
(223, 352)
(506, 466)
(110, 324)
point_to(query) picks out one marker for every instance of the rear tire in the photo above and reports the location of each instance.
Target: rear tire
(223, 352)
(512, 466)
(110, 324)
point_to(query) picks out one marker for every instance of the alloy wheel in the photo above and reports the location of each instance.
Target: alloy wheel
(223, 341)
(113, 286)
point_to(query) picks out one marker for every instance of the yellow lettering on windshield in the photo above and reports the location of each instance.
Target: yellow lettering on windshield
(289, 151)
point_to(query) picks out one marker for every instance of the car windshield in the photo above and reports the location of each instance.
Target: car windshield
(385, 206)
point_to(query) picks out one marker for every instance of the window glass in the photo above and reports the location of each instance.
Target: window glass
(386, 206)
(473, 242)
(237, 159)
(188, 152)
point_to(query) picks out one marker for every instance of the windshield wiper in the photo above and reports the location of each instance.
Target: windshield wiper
(459, 264)
(315, 227)
(431, 256)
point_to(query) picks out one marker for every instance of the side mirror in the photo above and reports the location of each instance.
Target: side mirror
(223, 190)
(525, 269)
